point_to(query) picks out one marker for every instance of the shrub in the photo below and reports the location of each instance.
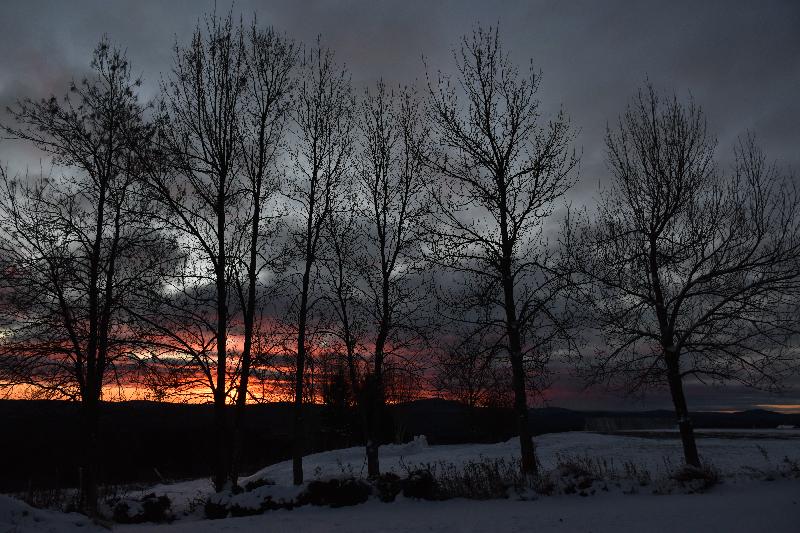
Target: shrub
(637, 473)
(215, 510)
(150, 508)
(694, 479)
(575, 478)
(387, 486)
(573, 475)
(421, 484)
(480, 480)
(336, 492)
(239, 510)
(791, 467)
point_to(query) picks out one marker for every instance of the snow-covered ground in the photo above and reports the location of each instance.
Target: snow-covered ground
(773, 508)
(739, 503)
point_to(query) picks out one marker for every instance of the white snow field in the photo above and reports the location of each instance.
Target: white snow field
(752, 496)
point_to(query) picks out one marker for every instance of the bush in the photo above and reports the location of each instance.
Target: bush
(573, 475)
(250, 507)
(336, 492)
(387, 486)
(150, 508)
(791, 468)
(50, 498)
(575, 478)
(421, 484)
(215, 510)
(638, 474)
(480, 480)
(694, 479)
(239, 510)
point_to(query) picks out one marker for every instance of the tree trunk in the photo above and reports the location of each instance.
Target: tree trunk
(221, 443)
(529, 463)
(360, 394)
(374, 428)
(298, 447)
(238, 445)
(241, 402)
(298, 426)
(247, 349)
(527, 450)
(91, 449)
(682, 412)
(222, 435)
(222, 467)
(377, 400)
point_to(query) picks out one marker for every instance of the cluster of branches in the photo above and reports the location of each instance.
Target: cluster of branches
(263, 228)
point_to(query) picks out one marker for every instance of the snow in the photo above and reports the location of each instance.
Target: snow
(730, 509)
(19, 517)
(740, 503)
(658, 455)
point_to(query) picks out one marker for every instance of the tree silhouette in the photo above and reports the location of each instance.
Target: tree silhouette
(200, 190)
(322, 118)
(391, 177)
(78, 244)
(686, 270)
(501, 169)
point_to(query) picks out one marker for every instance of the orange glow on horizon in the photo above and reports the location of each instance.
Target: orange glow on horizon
(787, 408)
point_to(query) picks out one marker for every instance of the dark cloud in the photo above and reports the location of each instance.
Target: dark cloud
(740, 60)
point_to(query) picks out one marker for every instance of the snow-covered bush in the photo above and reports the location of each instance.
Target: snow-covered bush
(482, 479)
(149, 508)
(50, 498)
(786, 469)
(638, 474)
(217, 506)
(688, 479)
(572, 475)
(790, 468)
(387, 486)
(336, 492)
(254, 484)
(421, 484)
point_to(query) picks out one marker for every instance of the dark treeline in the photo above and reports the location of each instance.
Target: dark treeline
(265, 231)
(150, 442)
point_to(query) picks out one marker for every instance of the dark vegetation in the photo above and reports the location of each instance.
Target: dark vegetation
(149, 442)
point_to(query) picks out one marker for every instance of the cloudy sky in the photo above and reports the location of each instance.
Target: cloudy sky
(740, 61)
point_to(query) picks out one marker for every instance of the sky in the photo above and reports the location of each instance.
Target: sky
(739, 60)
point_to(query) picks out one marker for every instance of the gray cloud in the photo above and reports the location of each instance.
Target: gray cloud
(741, 60)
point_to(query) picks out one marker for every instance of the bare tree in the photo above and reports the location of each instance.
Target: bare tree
(390, 171)
(77, 244)
(501, 170)
(201, 192)
(270, 60)
(688, 272)
(322, 117)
